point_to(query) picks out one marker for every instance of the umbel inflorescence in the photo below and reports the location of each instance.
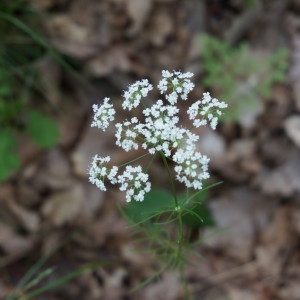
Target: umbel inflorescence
(159, 132)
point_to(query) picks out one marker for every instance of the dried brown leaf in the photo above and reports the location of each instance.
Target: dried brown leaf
(284, 180)
(240, 213)
(292, 128)
(28, 218)
(138, 11)
(64, 207)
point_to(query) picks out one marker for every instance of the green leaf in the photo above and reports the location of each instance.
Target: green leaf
(157, 200)
(8, 159)
(5, 90)
(197, 214)
(35, 268)
(9, 110)
(249, 3)
(54, 284)
(42, 129)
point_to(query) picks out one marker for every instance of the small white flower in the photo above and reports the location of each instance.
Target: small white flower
(166, 73)
(135, 93)
(135, 183)
(98, 172)
(103, 114)
(191, 168)
(172, 98)
(126, 134)
(177, 83)
(160, 131)
(206, 110)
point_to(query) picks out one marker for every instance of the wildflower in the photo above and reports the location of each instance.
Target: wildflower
(135, 93)
(206, 110)
(158, 132)
(99, 172)
(126, 135)
(103, 114)
(135, 183)
(191, 168)
(178, 83)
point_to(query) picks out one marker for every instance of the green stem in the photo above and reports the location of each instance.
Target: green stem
(133, 160)
(180, 230)
(186, 292)
(170, 179)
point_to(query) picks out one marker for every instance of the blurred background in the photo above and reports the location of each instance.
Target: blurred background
(59, 57)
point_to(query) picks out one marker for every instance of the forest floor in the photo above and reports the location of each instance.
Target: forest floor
(253, 250)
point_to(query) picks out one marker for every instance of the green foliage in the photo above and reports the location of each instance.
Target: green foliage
(240, 76)
(42, 129)
(157, 202)
(8, 159)
(20, 49)
(55, 283)
(152, 218)
(249, 3)
(197, 213)
(31, 284)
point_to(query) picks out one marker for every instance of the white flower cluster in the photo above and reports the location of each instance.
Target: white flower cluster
(206, 110)
(99, 172)
(135, 183)
(158, 132)
(103, 114)
(135, 93)
(133, 180)
(129, 131)
(191, 168)
(177, 83)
